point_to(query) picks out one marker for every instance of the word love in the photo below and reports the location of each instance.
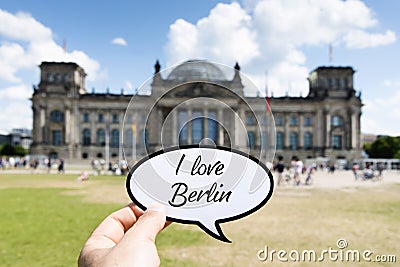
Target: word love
(182, 194)
(201, 168)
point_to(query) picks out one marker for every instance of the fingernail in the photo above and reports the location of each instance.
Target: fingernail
(156, 207)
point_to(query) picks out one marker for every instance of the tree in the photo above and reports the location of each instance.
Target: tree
(20, 151)
(385, 147)
(9, 150)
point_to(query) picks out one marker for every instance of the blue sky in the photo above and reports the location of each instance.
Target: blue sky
(287, 39)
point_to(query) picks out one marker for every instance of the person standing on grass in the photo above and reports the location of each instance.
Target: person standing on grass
(355, 170)
(61, 166)
(380, 168)
(298, 170)
(280, 167)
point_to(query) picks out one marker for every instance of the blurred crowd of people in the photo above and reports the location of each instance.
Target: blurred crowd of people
(297, 173)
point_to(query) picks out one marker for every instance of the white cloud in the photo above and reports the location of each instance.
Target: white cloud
(119, 41)
(15, 114)
(128, 85)
(361, 39)
(26, 42)
(268, 35)
(17, 92)
(226, 35)
(375, 117)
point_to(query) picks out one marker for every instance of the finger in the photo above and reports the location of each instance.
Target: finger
(113, 228)
(139, 241)
(149, 224)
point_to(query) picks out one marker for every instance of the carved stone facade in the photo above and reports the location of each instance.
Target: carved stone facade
(71, 123)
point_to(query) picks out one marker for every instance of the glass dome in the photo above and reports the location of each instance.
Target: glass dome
(197, 70)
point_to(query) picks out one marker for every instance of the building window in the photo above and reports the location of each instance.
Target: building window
(115, 118)
(197, 127)
(67, 77)
(279, 140)
(212, 126)
(252, 139)
(101, 137)
(293, 141)
(307, 121)
(279, 121)
(57, 116)
(328, 83)
(50, 77)
(337, 121)
(100, 118)
(86, 117)
(58, 77)
(307, 140)
(56, 138)
(343, 83)
(335, 83)
(293, 121)
(86, 137)
(114, 138)
(250, 120)
(337, 141)
(182, 127)
(128, 138)
(265, 121)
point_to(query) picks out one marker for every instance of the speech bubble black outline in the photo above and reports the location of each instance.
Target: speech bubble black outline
(217, 223)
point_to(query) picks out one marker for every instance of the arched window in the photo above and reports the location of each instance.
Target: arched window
(293, 141)
(101, 137)
(115, 138)
(279, 140)
(86, 137)
(57, 116)
(212, 126)
(197, 127)
(128, 138)
(183, 127)
(337, 121)
(307, 140)
(293, 121)
(252, 139)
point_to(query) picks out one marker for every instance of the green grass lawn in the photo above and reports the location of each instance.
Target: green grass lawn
(45, 220)
(46, 227)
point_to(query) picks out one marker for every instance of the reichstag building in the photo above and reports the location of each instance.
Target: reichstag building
(70, 122)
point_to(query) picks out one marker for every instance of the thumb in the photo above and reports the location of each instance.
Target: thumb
(139, 241)
(148, 225)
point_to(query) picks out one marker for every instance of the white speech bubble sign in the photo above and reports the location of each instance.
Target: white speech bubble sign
(202, 185)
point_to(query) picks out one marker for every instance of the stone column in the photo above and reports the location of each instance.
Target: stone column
(328, 129)
(301, 131)
(318, 131)
(68, 126)
(205, 123)
(174, 127)
(220, 127)
(189, 126)
(287, 131)
(42, 122)
(92, 120)
(353, 130)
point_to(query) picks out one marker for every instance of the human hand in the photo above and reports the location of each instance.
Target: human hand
(125, 238)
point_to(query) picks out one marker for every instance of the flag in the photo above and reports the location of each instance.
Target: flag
(330, 53)
(268, 101)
